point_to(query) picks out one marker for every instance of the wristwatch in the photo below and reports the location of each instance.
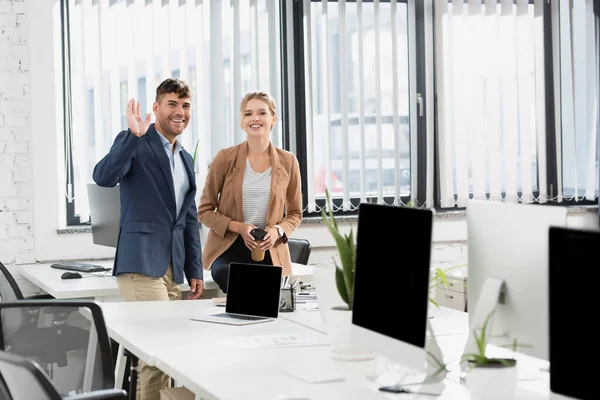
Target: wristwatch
(280, 231)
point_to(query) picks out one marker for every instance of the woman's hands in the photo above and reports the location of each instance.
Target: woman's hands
(270, 238)
(244, 231)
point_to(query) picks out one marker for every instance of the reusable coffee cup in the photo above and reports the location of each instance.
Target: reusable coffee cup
(258, 234)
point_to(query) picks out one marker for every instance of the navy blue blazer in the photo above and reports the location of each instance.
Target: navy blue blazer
(150, 235)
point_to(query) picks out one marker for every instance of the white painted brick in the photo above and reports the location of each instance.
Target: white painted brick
(27, 257)
(17, 147)
(24, 217)
(7, 189)
(25, 190)
(5, 7)
(18, 231)
(7, 218)
(16, 204)
(8, 20)
(7, 257)
(7, 162)
(19, 106)
(23, 245)
(22, 175)
(19, 50)
(5, 175)
(19, 7)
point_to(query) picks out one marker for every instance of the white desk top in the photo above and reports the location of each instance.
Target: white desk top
(194, 354)
(103, 285)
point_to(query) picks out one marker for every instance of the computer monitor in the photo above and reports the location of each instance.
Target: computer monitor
(573, 262)
(508, 244)
(391, 286)
(105, 212)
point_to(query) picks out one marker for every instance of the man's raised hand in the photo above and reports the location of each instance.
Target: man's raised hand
(136, 125)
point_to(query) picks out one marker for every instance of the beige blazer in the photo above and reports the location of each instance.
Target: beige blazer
(221, 201)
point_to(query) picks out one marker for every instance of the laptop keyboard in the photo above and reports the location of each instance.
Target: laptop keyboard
(244, 317)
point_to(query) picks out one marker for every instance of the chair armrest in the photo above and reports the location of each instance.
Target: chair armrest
(41, 296)
(105, 394)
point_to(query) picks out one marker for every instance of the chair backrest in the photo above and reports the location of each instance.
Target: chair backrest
(22, 378)
(299, 250)
(9, 290)
(68, 339)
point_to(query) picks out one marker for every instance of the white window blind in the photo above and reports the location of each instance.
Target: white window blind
(122, 49)
(577, 94)
(357, 101)
(491, 104)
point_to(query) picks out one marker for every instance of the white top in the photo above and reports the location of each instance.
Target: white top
(255, 196)
(181, 181)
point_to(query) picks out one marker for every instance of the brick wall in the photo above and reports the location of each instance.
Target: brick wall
(16, 186)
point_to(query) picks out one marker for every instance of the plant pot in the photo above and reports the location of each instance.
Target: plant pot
(495, 380)
(339, 320)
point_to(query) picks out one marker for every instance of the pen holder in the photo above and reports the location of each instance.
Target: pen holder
(287, 302)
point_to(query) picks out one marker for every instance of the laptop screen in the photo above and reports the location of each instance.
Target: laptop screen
(254, 289)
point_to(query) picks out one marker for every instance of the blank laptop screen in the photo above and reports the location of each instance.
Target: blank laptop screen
(254, 289)
(392, 271)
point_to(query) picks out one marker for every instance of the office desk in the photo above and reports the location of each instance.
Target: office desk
(194, 354)
(102, 286)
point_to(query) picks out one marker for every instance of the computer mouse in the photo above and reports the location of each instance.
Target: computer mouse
(71, 275)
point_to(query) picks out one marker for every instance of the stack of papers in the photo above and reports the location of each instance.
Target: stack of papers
(273, 341)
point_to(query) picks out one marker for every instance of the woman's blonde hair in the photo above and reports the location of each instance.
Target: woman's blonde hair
(262, 96)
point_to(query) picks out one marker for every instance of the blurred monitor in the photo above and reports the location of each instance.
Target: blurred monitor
(105, 211)
(574, 258)
(509, 241)
(391, 286)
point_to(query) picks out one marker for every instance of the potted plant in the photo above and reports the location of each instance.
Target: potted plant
(490, 377)
(339, 317)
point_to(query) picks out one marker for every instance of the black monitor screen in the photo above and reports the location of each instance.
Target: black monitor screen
(573, 263)
(391, 287)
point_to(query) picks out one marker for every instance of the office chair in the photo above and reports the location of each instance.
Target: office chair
(9, 290)
(299, 250)
(68, 339)
(21, 378)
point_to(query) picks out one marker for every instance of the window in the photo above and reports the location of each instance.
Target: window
(491, 101)
(577, 80)
(122, 49)
(356, 101)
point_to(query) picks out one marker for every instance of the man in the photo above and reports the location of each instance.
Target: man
(159, 233)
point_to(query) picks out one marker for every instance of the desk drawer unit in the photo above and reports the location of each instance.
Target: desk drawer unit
(454, 296)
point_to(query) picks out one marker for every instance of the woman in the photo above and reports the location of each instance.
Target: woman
(251, 185)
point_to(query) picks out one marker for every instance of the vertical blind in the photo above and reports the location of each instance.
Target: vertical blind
(122, 49)
(357, 101)
(491, 100)
(577, 92)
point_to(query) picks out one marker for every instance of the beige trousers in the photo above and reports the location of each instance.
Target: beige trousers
(137, 287)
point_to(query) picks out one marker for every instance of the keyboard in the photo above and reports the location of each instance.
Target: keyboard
(79, 267)
(236, 316)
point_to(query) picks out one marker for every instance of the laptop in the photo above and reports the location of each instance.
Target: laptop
(253, 295)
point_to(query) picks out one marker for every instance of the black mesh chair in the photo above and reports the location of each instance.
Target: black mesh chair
(21, 378)
(68, 339)
(299, 250)
(9, 290)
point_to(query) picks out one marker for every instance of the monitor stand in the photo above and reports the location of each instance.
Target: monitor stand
(394, 377)
(489, 297)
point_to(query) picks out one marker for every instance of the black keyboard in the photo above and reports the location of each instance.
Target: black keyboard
(79, 267)
(236, 316)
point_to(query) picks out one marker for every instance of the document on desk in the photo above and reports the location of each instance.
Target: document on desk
(273, 341)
